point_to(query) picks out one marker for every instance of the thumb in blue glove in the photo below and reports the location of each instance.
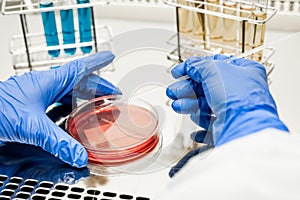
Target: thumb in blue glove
(237, 94)
(24, 100)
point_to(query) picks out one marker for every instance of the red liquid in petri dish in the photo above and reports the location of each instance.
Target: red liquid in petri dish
(115, 135)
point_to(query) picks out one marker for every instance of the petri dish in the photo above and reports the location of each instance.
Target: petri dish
(114, 132)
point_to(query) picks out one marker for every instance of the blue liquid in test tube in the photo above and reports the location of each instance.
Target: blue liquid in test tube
(50, 30)
(67, 23)
(85, 29)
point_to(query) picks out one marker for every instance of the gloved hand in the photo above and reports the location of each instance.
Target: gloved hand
(237, 93)
(24, 100)
(31, 162)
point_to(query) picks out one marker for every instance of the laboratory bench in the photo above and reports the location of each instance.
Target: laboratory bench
(285, 85)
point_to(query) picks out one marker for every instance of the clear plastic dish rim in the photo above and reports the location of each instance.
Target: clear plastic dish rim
(116, 99)
(137, 166)
(134, 157)
(123, 152)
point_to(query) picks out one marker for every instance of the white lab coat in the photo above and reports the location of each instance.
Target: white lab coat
(264, 165)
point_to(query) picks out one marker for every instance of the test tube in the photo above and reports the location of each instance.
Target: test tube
(49, 25)
(67, 23)
(198, 21)
(85, 30)
(214, 22)
(185, 18)
(197, 24)
(258, 33)
(229, 25)
(199, 28)
(246, 12)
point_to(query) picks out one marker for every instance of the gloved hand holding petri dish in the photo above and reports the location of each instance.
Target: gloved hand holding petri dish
(136, 132)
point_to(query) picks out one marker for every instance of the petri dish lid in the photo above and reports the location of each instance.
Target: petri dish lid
(115, 132)
(104, 124)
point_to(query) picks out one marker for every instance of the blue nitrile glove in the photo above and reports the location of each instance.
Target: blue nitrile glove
(236, 92)
(31, 162)
(24, 100)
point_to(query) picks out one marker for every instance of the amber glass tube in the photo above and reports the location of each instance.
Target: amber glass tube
(198, 21)
(185, 19)
(214, 22)
(229, 25)
(246, 12)
(258, 35)
(197, 24)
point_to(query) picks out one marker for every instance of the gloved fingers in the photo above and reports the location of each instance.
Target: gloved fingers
(242, 62)
(93, 86)
(56, 83)
(203, 119)
(219, 57)
(247, 63)
(187, 105)
(182, 89)
(200, 70)
(90, 87)
(54, 140)
(194, 60)
(178, 70)
(91, 63)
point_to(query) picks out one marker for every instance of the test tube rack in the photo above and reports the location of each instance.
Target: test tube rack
(203, 44)
(30, 51)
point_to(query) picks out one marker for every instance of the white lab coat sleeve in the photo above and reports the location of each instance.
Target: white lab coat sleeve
(264, 165)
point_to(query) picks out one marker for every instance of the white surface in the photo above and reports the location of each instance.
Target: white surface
(284, 87)
(264, 165)
(6, 32)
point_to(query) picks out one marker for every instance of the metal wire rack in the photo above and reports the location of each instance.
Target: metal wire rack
(191, 48)
(242, 13)
(236, 13)
(38, 50)
(29, 50)
(18, 7)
